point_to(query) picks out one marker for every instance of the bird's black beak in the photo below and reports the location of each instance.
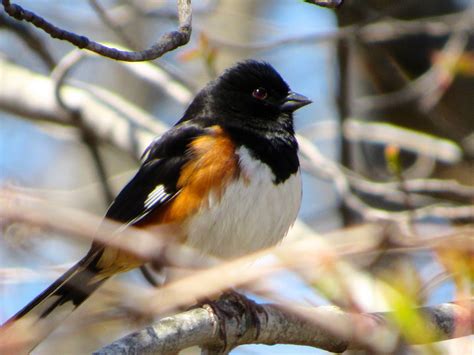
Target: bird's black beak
(294, 101)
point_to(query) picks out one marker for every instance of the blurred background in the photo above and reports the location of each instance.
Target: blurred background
(392, 84)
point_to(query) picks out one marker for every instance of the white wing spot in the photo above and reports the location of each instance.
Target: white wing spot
(156, 196)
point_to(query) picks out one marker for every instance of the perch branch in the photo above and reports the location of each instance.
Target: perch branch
(326, 327)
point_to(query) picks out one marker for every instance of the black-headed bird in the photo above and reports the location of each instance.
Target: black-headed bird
(225, 180)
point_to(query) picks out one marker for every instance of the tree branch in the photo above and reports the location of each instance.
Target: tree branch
(166, 43)
(428, 88)
(420, 143)
(381, 31)
(30, 38)
(326, 327)
(121, 123)
(111, 24)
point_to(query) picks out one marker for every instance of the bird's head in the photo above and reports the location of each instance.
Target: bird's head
(250, 91)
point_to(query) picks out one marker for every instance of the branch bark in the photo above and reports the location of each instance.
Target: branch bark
(168, 42)
(325, 327)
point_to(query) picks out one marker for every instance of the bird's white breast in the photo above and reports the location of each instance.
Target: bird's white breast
(252, 213)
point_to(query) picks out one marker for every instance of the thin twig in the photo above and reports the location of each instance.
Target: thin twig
(155, 9)
(121, 123)
(166, 43)
(114, 20)
(30, 37)
(428, 88)
(419, 143)
(379, 32)
(109, 22)
(59, 76)
(448, 189)
(144, 245)
(314, 162)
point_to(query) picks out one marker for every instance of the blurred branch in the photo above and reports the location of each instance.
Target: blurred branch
(131, 130)
(428, 88)
(419, 143)
(161, 78)
(315, 163)
(59, 75)
(163, 81)
(355, 130)
(279, 325)
(146, 71)
(392, 29)
(310, 257)
(448, 189)
(153, 247)
(12, 275)
(20, 206)
(166, 78)
(122, 124)
(110, 23)
(385, 30)
(166, 43)
(29, 37)
(157, 10)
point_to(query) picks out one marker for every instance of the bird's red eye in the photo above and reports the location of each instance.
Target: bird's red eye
(260, 93)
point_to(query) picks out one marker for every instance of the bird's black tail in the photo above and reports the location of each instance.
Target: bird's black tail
(59, 300)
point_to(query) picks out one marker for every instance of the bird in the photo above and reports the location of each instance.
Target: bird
(225, 179)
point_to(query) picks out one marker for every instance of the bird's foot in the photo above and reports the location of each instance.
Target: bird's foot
(233, 305)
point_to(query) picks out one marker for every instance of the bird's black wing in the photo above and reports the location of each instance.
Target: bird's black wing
(153, 186)
(155, 182)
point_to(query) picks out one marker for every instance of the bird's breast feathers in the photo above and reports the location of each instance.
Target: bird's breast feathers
(250, 213)
(227, 201)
